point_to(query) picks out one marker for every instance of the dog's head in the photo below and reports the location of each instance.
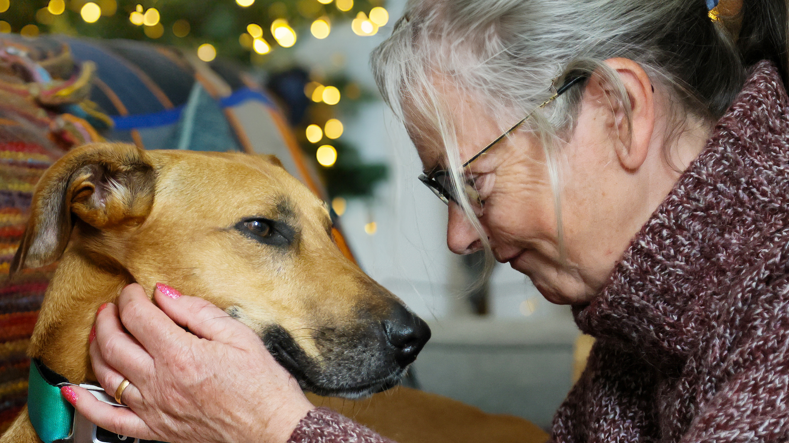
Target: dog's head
(239, 231)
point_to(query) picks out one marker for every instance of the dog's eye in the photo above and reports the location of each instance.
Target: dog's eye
(258, 227)
(268, 232)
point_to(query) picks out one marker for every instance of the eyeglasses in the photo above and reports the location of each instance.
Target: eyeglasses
(440, 180)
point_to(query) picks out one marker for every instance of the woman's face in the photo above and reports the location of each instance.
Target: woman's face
(598, 200)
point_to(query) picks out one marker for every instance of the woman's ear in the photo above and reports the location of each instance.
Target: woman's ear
(632, 140)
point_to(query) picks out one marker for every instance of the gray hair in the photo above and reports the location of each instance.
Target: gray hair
(509, 53)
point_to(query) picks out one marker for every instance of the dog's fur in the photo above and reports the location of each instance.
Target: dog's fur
(234, 229)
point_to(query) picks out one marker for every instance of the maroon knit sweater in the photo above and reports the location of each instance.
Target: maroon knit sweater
(693, 326)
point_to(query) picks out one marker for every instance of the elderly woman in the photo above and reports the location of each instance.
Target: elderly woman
(629, 156)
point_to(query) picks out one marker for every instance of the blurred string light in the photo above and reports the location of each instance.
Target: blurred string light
(320, 28)
(317, 93)
(154, 31)
(181, 28)
(56, 7)
(255, 30)
(90, 12)
(4, 5)
(206, 52)
(44, 17)
(261, 46)
(246, 41)
(245, 3)
(333, 128)
(324, 2)
(361, 25)
(136, 18)
(339, 205)
(108, 7)
(314, 133)
(326, 155)
(151, 17)
(310, 88)
(5, 27)
(331, 95)
(379, 16)
(344, 5)
(527, 307)
(371, 228)
(29, 31)
(283, 33)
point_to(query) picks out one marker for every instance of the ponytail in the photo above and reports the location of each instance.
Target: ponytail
(763, 33)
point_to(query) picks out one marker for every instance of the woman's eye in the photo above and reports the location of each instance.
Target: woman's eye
(258, 227)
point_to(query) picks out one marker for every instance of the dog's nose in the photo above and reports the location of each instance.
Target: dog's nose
(407, 333)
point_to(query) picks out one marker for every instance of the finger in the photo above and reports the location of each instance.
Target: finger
(115, 350)
(110, 379)
(154, 330)
(121, 421)
(200, 317)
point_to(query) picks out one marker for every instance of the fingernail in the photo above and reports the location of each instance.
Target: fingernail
(69, 394)
(168, 291)
(92, 335)
(101, 308)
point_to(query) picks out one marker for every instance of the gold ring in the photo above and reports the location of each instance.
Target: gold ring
(119, 392)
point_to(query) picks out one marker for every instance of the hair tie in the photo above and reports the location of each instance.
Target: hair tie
(711, 4)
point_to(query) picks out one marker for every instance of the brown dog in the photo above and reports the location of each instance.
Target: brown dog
(234, 229)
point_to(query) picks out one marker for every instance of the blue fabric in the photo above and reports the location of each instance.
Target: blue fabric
(50, 414)
(119, 77)
(243, 95)
(711, 4)
(166, 117)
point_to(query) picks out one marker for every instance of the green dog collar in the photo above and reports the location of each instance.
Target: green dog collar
(51, 415)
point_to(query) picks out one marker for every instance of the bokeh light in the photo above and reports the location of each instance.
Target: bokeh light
(155, 31)
(320, 29)
(326, 155)
(317, 94)
(371, 228)
(333, 128)
(4, 5)
(136, 18)
(29, 31)
(314, 133)
(245, 3)
(285, 36)
(5, 27)
(206, 52)
(331, 95)
(261, 46)
(90, 12)
(56, 7)
(339, 205)
(255, 30)
(379, 16)
(344, 5)
(151, 17)
(181, 28)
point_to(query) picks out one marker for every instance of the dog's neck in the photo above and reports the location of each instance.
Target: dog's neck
(78, 288)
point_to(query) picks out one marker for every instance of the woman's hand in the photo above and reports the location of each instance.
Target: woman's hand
(215, 382)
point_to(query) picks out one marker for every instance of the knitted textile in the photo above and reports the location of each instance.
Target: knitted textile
(37, 82)
(322, 425)
(693, 326)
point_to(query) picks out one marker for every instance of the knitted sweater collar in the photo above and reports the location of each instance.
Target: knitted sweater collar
(683, 262)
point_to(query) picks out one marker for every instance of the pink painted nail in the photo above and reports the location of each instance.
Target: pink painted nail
(168, 291)
(92, 335)
(69, 394)
(101, 308)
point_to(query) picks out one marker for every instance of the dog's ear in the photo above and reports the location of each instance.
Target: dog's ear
(272, 159)
(102, 184)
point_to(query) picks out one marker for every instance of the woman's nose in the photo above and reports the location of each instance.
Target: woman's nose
(462, 238)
